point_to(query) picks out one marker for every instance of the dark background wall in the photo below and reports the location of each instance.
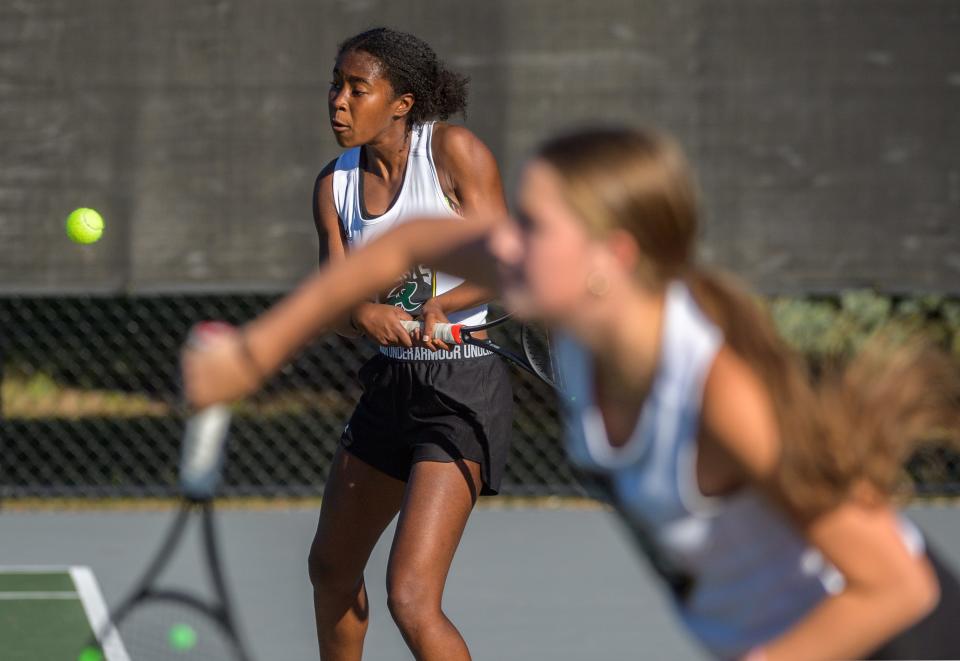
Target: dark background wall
(826, 134)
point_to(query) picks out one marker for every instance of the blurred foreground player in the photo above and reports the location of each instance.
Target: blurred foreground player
(764, 501)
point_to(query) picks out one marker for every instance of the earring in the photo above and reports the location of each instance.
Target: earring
(597, 284)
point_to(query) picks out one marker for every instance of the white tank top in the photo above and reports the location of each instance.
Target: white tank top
(420, 195)
(752, 574)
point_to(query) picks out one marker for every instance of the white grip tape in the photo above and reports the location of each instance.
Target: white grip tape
(202, 457)
(441, 331)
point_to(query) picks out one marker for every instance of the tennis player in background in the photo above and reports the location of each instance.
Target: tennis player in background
(432, 429)
(764, 502)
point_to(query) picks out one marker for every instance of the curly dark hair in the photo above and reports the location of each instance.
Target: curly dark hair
(412, 67)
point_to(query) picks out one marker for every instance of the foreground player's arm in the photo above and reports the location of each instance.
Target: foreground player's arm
(886, 589)
(469, 172)
(235, 364)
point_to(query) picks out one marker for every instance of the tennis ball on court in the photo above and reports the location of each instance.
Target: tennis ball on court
(84, 225)
(90, 654)
(182, 637)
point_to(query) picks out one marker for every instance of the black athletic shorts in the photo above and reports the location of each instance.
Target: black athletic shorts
(433, 410)
(937, 636)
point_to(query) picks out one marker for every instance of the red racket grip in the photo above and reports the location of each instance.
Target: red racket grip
(204, 330)
(449, 333)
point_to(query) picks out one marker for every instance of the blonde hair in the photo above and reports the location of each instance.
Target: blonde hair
(858, 424)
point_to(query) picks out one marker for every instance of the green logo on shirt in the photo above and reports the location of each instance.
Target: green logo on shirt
(413, 290)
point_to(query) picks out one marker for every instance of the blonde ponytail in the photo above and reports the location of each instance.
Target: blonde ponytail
(850, 432)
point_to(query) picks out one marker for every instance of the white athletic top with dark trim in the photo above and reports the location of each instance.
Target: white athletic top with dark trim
(751, 573)
(419, 195)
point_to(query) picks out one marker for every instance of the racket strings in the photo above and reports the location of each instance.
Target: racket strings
(160, 630)
(536, 342)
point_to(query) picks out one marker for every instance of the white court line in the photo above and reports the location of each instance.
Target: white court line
(14, 596)
(96, 609)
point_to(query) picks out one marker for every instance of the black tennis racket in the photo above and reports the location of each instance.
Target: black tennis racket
(154, 622)
(537, 357)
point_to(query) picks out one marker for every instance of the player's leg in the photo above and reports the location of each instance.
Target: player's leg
(437, 504)
(359, 501)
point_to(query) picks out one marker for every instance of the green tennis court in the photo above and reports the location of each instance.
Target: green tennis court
(50, 613)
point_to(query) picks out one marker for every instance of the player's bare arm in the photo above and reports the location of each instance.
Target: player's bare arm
(886, 588)
(225, 370)
(333, 243)
(470, 178)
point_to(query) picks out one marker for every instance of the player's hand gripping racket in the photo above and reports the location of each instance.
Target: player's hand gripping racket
(155, 622)
(538, 357)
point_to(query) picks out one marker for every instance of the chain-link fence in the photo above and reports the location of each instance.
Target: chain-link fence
(90, 403)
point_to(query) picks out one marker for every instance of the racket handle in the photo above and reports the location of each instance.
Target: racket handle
(449, 333)
(205, 435)
(203, 450)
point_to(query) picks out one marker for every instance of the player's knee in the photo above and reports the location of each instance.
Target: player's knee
(318, 568)
(327, 575)
(411, 604)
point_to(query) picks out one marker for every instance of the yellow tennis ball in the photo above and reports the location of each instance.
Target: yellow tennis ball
(84, 226)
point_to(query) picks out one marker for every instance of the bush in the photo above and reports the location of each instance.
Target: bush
(834, 327)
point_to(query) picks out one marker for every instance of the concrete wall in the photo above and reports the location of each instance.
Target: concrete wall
(826, 134)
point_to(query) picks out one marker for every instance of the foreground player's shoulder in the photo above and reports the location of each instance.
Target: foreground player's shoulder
(738, 413)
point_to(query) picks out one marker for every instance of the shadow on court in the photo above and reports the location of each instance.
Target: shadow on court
(527, 583)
